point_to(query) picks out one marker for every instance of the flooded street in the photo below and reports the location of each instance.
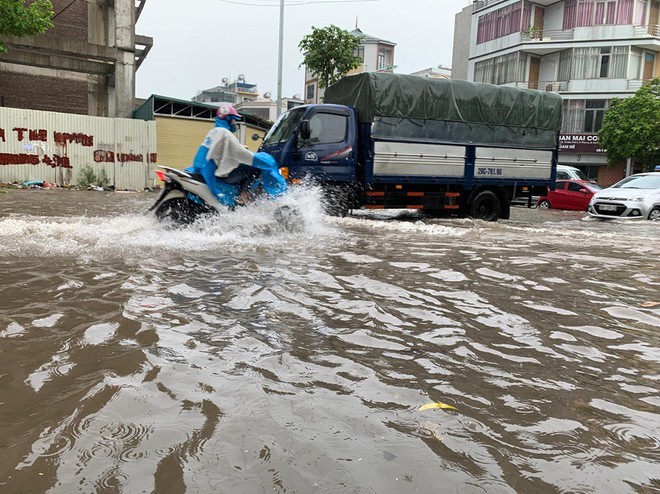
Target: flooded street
(236, 356)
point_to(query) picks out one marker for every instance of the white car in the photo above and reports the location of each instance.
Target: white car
(634, 197)
(565, 172)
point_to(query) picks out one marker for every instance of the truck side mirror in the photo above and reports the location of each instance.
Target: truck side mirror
(305, 130)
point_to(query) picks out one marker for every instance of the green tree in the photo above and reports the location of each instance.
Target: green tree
(330, 53)
(19, 19)
(631, 126)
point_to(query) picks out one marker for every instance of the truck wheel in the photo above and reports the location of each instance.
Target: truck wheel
(338, 200)
(485, 206)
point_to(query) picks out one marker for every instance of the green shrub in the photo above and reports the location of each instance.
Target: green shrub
(89, 177)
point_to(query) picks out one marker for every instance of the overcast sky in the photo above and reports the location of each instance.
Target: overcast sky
(198, 43)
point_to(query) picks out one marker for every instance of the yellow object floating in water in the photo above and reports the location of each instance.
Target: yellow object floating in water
(430, 406)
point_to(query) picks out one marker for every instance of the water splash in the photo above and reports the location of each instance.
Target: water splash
(88, 237)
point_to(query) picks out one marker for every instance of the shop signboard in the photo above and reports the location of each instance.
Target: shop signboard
(580, 144)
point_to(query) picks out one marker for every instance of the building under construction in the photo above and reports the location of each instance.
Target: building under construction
(85, 64)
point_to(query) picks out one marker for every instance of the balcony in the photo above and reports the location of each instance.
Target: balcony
(648, 30)
(546, 35)
(604, 85)
(590, 33)
(553, 86)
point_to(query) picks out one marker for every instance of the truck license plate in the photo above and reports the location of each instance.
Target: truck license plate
(608, 207)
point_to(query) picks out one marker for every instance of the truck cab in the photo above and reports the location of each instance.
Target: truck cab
(319, 141)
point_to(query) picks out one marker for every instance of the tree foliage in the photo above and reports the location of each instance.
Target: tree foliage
(18, 18)
(631, 126)
(330, 53)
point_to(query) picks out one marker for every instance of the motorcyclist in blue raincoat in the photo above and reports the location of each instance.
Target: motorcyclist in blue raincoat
(231, 171)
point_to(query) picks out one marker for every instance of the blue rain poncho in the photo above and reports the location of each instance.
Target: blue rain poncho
(228, 168)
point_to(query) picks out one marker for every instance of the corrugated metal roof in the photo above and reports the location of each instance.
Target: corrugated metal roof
(164, 105)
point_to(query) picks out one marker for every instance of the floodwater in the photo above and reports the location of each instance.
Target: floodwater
(237, 356)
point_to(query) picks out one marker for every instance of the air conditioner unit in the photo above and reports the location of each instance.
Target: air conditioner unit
(553, 86)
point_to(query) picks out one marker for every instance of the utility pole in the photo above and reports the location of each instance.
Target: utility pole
(279, 61)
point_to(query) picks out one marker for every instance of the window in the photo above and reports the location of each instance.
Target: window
(502, 22)
(310, 91)
(582, 13)
(619, 62)
(583, 116)
(605, 12)
(593, 115)
(635, 63)
(593, 63)
(575, 186)
(259, 112)
(565, 59)
(501, 70)
(384, 59)
(283, 129)
(640, 12)
(359, 52)
(327, 128)
(604, 61)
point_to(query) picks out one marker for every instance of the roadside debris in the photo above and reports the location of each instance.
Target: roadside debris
(431, 406)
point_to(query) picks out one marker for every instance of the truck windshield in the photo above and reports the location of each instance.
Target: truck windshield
(283, 129)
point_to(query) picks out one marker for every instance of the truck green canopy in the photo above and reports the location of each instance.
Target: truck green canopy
(445, 110)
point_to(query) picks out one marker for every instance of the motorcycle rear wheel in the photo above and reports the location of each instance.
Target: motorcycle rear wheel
(179, 210)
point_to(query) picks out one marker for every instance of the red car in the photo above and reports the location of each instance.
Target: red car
(569, 194)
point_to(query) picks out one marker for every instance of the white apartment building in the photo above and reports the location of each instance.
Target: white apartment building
(588, 51)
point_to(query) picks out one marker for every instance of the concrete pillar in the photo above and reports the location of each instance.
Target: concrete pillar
(97, 33)
(124, 80)
(112, 23)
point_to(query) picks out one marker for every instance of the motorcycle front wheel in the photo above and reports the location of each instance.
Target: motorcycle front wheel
(179, 210)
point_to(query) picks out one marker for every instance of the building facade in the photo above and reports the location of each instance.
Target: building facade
(233, 93)
(85, 64)
(377, 55)
(588, 51)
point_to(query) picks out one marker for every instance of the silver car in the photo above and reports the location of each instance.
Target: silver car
(634, 197)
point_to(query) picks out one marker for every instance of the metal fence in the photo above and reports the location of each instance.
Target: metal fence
(60, 147)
